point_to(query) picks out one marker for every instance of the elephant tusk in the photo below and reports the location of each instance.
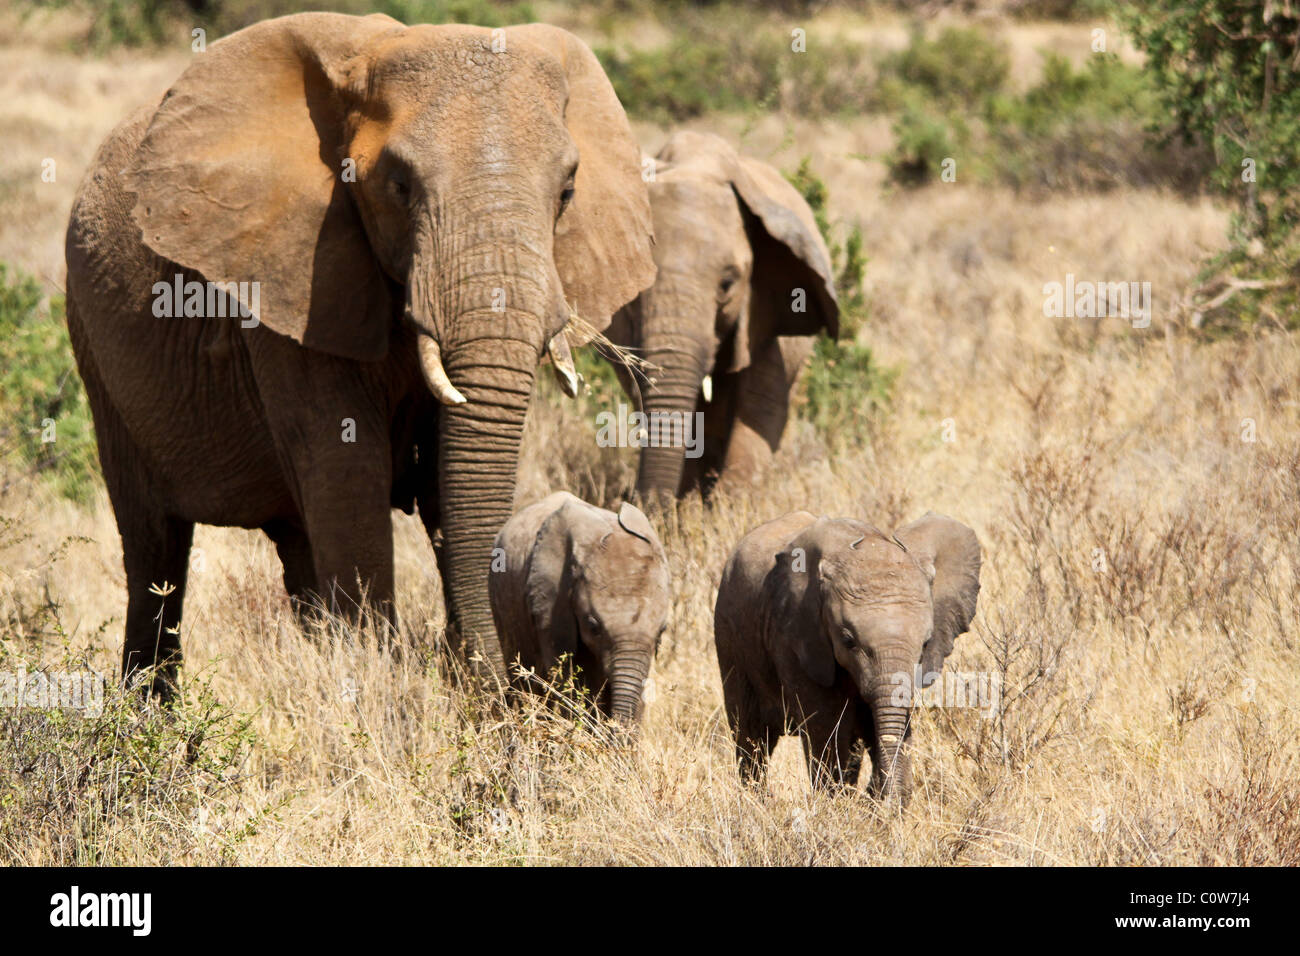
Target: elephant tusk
(707, 388)
(562, 361)
(889, 738)
(434, 374)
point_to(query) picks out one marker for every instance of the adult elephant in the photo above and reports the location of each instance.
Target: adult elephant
(744, 282)
(407, 210)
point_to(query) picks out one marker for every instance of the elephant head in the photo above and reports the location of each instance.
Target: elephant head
(473, 185)
(740, 262)
(886, 605)
(598, 591)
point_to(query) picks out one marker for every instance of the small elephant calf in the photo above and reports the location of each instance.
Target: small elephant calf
(821, 625)
(584, 582)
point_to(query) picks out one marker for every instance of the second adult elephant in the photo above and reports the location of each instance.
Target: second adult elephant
(400, 213)
(744, 283)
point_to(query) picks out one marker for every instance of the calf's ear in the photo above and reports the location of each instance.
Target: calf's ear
(812, 647)
(953, 552)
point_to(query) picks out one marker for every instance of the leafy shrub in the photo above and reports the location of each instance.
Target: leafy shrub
(602, 385)
(844, 391)
(72, 778)
(923, 139)
(961, 67)
(1092, 128)
(136, 23)
(1230, 72)
(40, 392)
(845, 388)
(730, 60)
(847, 260)
(483, 13)
(687, 77)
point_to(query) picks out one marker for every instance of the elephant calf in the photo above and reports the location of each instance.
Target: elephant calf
(820, 625)
(572, 579)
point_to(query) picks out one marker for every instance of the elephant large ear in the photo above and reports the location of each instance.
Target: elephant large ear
(603, 239)
(633, 520)
(811, 646)
(792, 289)
(953, 551)
(239, 178)
(549, 584)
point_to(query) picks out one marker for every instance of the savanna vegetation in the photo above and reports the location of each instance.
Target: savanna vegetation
(1136, 491)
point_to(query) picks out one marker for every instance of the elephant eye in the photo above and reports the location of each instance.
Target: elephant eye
(847, 638)
(566, 195)
(728, 281)
(592, 622)
(398, 184)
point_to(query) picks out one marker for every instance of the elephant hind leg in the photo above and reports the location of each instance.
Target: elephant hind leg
(155, 551)
(155, 544)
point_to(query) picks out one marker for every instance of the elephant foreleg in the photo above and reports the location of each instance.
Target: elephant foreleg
(762, 409)
(333, 436)
(833, 751)
(754, 737)
(351, 537)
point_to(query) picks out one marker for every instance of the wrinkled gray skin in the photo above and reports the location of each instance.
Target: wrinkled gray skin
(820, 626)
(733, 240)
(584, 582)
(420, 211)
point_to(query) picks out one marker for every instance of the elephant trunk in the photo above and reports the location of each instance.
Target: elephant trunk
(682, 362)
(891, 777)
(482, 319)
(627, 675)
(477, 466)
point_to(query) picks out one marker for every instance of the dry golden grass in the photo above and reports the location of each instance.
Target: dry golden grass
(1148, 712)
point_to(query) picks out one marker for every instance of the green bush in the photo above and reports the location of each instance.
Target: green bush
(732, 60)
(961, 67)
(41, 395)
(1229, 72)
(845, 389)
(83, 778)
(687, 77)
(602, 383)
(848, 261)
(482, 13)
(1091, 128)
(136, 23)
(923, 139)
